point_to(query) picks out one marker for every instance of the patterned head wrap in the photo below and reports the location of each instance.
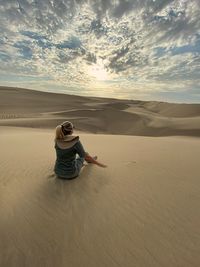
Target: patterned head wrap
(67, 127)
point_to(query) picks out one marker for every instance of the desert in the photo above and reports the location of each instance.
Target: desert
(142, 210)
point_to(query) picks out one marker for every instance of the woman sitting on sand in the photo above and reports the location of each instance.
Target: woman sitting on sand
(67, 146)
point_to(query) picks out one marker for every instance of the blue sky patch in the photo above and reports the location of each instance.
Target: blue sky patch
(40, 40)
(24, 49)
(4, 57)
(72, 43)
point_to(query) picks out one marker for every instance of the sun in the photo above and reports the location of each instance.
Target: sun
(98, 71)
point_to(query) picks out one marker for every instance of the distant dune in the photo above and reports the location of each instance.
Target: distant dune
(29, 108)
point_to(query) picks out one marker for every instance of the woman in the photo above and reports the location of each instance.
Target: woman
(67, 147)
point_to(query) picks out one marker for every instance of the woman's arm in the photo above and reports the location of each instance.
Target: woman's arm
(90, 159)
(80, 150)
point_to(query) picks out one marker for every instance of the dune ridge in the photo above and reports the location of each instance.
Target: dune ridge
(29, 108)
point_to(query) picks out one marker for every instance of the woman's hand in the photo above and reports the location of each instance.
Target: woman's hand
(101, 165)
(93, 160)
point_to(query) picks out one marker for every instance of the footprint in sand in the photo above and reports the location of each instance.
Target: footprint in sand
(130, 162)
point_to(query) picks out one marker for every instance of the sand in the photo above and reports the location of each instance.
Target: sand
(143, 210)
(29, 108)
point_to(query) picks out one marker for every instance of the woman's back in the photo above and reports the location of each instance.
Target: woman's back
(66, 162)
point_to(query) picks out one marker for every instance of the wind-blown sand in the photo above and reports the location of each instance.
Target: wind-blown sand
(143, 210)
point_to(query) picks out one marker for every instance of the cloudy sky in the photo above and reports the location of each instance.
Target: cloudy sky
(135, 49)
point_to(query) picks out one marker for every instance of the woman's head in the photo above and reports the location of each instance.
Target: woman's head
(65, 128)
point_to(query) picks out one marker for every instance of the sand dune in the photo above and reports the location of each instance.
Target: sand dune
(28, 108)
(143, 210)
(173, 110)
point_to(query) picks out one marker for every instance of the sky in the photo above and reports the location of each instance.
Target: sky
(129, 49)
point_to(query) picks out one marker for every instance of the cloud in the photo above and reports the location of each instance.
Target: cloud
(140, 44)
